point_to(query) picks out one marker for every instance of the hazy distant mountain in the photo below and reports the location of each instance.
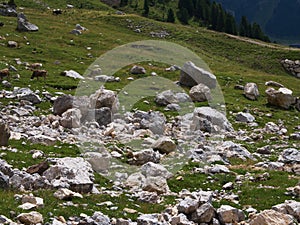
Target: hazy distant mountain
(280, 19)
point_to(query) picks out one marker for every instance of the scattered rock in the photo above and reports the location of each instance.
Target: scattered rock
(12, 44)
(66, 194)
(151, 169)
(24, 24)
(204, 214)
(71, 118)
(210, 120)
(188, 206)
(191, 75)
(100, 161)
(166, 97)
(72, 74)
(43, 139)
(75, 174)
(290, 155)
(104, 98)
(38, 168)
(282, 98)
(164, 145)
(137, 70)
(229, 214)
(251, 91)
(200, 93)
(144, 156)
(291, 66)
(105, 78)
(62, 104)
(271, 217)
(274, 84)
(30, 218)
(244, 117)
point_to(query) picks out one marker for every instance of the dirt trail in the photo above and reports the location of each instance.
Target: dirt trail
(269, 45)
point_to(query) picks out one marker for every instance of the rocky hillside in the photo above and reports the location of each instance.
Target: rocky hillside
(100, 125)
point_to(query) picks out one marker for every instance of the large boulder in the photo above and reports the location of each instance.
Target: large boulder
(251, 91)
(24, 24)
(62, 104)
(75, 174)
(192, 75)
(282, 97)
(200, 93)
(210, 120)
(4, 134)
(271, 217)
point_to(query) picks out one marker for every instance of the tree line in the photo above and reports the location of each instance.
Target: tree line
(208, 14)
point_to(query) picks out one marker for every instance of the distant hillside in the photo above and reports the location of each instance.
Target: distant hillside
(278, 18)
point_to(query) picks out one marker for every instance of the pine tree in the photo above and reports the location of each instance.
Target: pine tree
(146, 8)
(183, 16)
(171, 16)
(221, 19)
(214, 16)
(244, 27)
(123, 3)
(230, 24)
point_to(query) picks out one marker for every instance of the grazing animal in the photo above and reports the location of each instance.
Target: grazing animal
(39, 73)
(4, 73)
(56, 12)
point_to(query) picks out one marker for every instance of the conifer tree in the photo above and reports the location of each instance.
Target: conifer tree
(183, 16)
(123, 3)
(171, 16)
(146, 8)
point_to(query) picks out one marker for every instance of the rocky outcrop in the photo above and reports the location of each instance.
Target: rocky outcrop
(292, 67)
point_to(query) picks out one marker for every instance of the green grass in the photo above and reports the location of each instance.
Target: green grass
(23, 158)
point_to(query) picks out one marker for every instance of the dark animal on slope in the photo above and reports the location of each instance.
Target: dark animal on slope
(4, 73)
(1, 24)
(39, 73)
(56, 12)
